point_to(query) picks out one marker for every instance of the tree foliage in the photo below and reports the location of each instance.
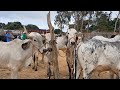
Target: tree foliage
(31, 26)
(17, 26)
(57, 31)
(62, 18)
(89, 20)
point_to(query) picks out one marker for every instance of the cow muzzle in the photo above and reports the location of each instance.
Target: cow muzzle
(72, 43)
(49, 49)
(45, 50)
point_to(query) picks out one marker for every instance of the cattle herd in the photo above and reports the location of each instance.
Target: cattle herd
(94, 55)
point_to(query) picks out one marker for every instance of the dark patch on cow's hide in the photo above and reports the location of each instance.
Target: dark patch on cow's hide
(104, 46)
(112, 44)
(43, 41)
(25, 45)
(66, 42)
(115, 44)
(92, 50)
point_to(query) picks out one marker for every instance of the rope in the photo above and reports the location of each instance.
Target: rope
(68, 48)
(37, 48)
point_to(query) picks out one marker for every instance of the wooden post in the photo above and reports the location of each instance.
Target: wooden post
(54, 53)
(116, 21)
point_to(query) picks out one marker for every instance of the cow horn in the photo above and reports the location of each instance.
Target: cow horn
(25, 30)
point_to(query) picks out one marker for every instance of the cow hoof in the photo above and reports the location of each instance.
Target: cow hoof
(48, 77)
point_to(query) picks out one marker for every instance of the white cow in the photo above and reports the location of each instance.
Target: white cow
(99, 55)
(67, 42)
(61, 41)
(45, 40)
(17, 53)
(116, 38)
(36, 54)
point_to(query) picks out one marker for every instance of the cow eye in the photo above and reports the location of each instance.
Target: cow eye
(68, 33)
(35, 40)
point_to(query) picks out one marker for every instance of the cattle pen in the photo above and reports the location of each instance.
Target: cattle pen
(72, 54)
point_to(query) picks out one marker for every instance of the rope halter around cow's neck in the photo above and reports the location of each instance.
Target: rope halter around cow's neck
(37, 48)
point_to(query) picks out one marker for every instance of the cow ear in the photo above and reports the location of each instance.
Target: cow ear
(66, 42)
(25, 45)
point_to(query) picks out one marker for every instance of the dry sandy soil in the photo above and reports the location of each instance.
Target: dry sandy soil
(29, 73)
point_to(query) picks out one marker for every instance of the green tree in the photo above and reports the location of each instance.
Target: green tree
(62, 18)
(13, 25)
(2, 25)
(102, 21)
(90, 13)
(32, 27)
(57, 31)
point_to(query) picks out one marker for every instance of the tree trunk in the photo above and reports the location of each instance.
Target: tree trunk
(109, 15)
(61, 28)
(88, 25)
(119, 27)
(89, 22)
(76, 23)
(116, 21)
(53, 53)
(81, 24)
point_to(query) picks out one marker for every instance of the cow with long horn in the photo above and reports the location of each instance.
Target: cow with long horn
(37, 39)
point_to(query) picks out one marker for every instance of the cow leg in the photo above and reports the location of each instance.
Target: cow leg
(86, 73)
(72, 71)
(48, 70)
(69, 70)
(33, 61)
(102, 68)
(119, 75)
(14, 73)
(68, 62)
(36, 63)
(111, 75)
(42, 58)
(78, 72)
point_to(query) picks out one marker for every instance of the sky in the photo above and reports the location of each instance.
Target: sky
(38, 18)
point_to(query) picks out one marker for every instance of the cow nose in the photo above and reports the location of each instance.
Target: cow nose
(73, 43)
(44, 50)
(50, 49)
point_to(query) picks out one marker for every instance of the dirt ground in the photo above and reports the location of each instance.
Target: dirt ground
(29, 73)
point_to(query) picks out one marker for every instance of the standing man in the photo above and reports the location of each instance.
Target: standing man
(24, 36)
(19, 36)
(9, 36)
